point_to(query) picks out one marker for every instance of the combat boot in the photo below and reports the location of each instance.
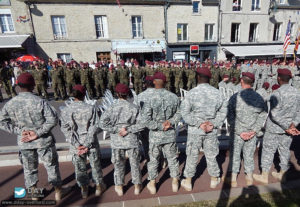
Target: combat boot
(280, 176)
(233, 181)
(214, 181)
(151, 187)
(263, 178)
(137, 189)
(249, 179)
(60, 192)
(84, 191)
(119, 190)
(175, 185)
(100, 188)
(187, 184)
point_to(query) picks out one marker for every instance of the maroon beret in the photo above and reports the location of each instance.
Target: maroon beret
(149, 78)
(204, 71)
(80, 88)
(26, 79)
(225, 76)
(275, 87)
(122, 88)
(233, 79)
(266, 84)
(159, 75)
(249, 75)
(284, 71)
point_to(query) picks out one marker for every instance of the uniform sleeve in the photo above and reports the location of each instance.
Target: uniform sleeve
(177, 116)
(50, 116)
(107, 123)
(188, 115)
(231, 109)
(262, 115)
(93, 129)
(138, 126)
(221, 113)
(147, 118)
(277, 111)
(5, 122)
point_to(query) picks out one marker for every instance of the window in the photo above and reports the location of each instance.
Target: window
(101, 26)
(59, 27)
(209, 32)
(66, 57)
(6, 22)
(253, 32)
(255, 5)
(292, 29)
(182, 32)
(235, 32)
(195, 7)
(236, 5)
(281, 1)
(276, 33)
(137, 27)
(101, 56)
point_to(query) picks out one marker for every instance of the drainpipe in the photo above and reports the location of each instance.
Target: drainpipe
(32, 26)
(166, 6)
(219, 29)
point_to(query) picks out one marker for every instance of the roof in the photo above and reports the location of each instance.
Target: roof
(12, 41)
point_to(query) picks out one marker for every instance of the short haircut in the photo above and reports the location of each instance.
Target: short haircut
(284, 78)
(203, 78)
(149, 83)
(77, 94)
(247, 80)
(122, 95)
(27, 86)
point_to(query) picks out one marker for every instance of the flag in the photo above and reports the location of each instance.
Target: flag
(297, 41)
(287, 39)
(118, 1)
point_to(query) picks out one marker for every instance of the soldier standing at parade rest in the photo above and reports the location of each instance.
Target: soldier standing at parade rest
(7, 75)
(138, 75)
(31, 119)
(280, 127)
(85, 78)
(123, 73)
(203, 116)
(120, 120)
(161, 114)
(70, 77)
(99, 76)
(215, 75)
(264, 91)
(79, 123)
(57, 76)
(178, 75)
(246, 116)
(40, 77)
(111, 79)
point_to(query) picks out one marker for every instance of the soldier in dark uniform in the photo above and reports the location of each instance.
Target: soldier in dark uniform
(7, 75)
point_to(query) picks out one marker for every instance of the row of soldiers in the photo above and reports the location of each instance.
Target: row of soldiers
(156, 113)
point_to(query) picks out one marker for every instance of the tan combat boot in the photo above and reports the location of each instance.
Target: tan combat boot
(137, 189)
(175, 185)
(84, 191)
(233, 181)
(280, 176)
(249, 179)
(187, 184)
(119, 190)
(214, 181)
(151, 187)
(60, 192)
(100, 188)
(263, 178)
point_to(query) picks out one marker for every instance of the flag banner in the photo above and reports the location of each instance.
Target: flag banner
(287, 39)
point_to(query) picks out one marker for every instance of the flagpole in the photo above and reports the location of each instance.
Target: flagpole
(284, 54)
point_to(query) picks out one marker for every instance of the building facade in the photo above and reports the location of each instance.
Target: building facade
(256, 28)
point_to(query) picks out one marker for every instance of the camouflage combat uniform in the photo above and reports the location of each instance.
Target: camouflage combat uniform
(123, 114)
(70, 77)
(123, 74)
(7, 74)
(196, 110)
(161, 106)
(57, 76)
(178, 73)
(246, 113)
(138, 75)
(99, 76)
(40, 77)
(79, 123)
(85, 79)
(29, 112)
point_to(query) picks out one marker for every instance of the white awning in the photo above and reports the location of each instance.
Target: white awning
(265, 50)
(138, 46)
(12, 41)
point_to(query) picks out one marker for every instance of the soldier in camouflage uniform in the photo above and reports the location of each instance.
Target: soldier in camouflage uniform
(40, 77)
(280, 127)
(138, 75)
(99, 76)
(178, 75)
(191, 78)
(168, 73)
(203, 116)
(161, 114)
(111, 79)
(57, 76)
(263, 92)
(246, 116)
(85, 78)
(79, 123)
(32, 119)
(120, 120)
(70, 77)
(7, 74)
(215, 76)
(123, 74)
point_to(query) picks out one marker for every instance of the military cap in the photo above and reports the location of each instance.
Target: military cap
(160, 76)
(149, 78)
(275, 87)
(249, 75)
(79, 88)
(266, 84)
(233, 79)
(26, 79)
(225, 76)
(204, 71)
(122, 88)
(284, 71)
